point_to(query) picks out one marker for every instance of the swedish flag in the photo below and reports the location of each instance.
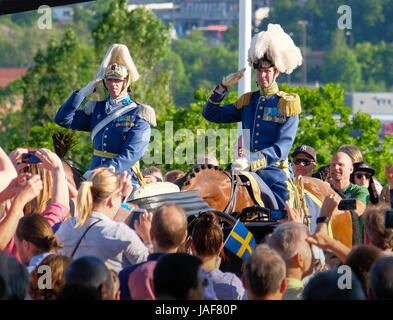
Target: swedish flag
(240, 241)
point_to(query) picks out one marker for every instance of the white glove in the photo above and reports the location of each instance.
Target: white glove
(89, 89)
(233, 78)
(241, 164)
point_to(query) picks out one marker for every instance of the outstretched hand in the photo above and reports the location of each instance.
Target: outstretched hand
(31, 188)
(50, 160)
(127, 188)
(143, 226)
(329, 205)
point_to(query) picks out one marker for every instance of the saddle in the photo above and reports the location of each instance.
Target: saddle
(260, 193)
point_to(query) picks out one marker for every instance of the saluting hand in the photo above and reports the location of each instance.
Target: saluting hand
(90, 88)
(233, 78)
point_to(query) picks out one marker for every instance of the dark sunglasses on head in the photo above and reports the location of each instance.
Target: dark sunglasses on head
(360, 175)
(305, 162)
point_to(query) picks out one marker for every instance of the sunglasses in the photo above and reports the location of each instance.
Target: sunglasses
(360, 175)
(305, 162)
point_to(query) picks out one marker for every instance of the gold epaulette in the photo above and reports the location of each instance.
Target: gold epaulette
(289, 104)
(244, 100)
(147, 113)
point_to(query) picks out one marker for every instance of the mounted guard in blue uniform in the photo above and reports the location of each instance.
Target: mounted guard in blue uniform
(120, 127)
(270, 116)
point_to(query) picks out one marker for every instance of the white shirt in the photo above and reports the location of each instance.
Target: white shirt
(36, 260)
(111, 241)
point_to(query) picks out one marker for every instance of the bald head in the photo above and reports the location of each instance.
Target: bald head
(340, 170)
(169, 227)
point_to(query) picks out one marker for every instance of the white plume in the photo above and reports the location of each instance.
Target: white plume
(118, 53)
(278, 46)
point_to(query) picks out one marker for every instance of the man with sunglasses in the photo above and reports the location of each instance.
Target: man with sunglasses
(304, 161)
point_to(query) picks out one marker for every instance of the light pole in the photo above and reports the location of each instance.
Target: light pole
(245, 21)
(304, 23)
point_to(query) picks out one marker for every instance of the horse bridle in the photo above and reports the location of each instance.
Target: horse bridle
(233, 196)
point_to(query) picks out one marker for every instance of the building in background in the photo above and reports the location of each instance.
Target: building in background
(379, 105)
(187, 15)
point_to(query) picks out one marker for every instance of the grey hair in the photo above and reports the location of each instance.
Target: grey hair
(264, 271)
(286, 239)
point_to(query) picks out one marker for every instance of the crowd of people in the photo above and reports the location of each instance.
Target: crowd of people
(90, 255)
(67, 242)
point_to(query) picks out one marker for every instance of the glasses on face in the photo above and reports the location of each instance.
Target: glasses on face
(304, 162)
(360, 175)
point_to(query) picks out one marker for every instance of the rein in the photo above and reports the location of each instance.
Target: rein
(233, 196)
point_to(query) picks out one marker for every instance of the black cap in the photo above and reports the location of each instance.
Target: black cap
(262, 63)
(305, 149)
(363, 166)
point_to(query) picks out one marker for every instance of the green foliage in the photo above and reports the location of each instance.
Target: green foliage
(182, 130)
(204, 69)
(326, 124)
(341, 64)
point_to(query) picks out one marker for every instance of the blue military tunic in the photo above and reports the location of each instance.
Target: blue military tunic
(272, 133)
(122, 142)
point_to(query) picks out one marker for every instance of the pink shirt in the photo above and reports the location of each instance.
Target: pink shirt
(54, 213)
(141, 283)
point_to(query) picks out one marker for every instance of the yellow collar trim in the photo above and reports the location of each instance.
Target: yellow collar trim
(270, 90)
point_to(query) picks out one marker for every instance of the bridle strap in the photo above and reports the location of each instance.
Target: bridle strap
(233, 196)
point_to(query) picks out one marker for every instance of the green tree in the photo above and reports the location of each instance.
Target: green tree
(326, 124)
(207, 68)
(65, 66)
(189, 130)
(341, 65)
(231, 37)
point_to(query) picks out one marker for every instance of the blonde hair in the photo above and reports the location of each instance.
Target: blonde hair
(353, 151)
(101, 185)
(39, 204)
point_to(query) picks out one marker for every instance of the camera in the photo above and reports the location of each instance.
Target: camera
(347, 204)
(389, 219)
(135, 216)
(30, 157)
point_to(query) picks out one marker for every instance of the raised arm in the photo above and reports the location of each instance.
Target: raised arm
(28, 192)
(7, 170)
(321, 236)
(53, 163)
